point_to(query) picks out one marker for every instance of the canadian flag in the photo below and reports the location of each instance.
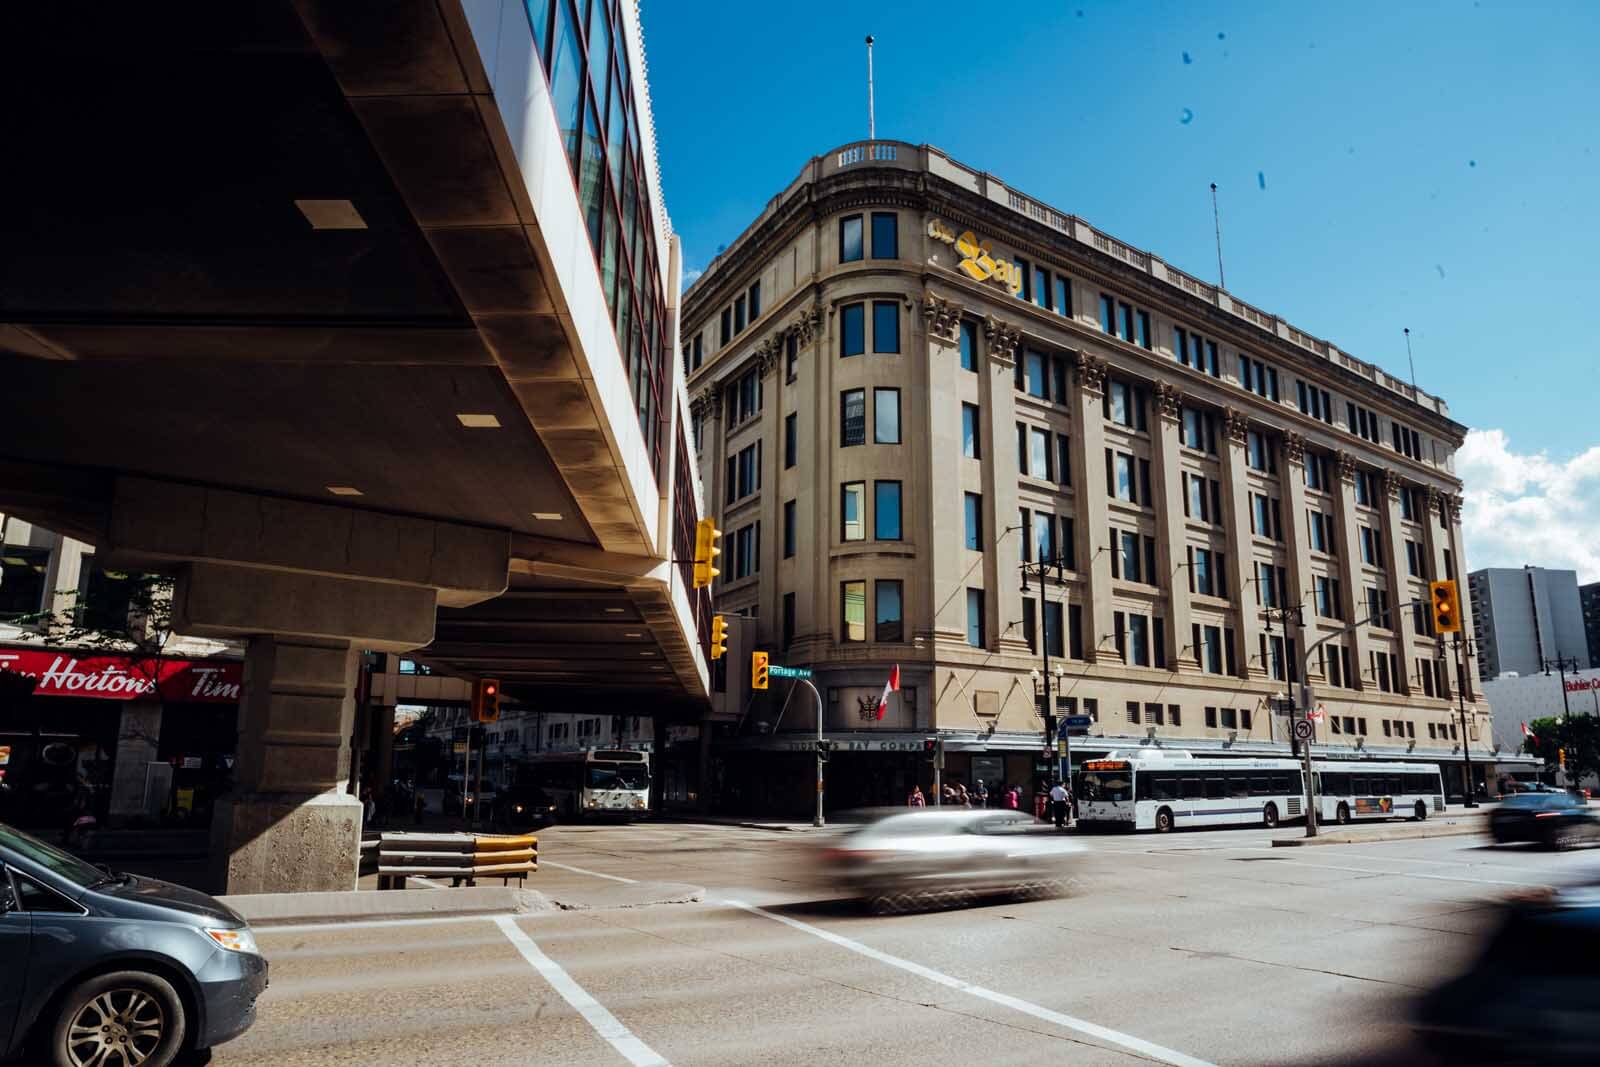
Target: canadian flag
(891, 686)
(1529, 733)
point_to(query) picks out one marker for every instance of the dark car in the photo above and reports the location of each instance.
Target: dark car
(1555, 820)
(105, 968)
(1533, 993)
(523, 807)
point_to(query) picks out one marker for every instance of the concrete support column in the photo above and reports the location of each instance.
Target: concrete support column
(1171, 533)
(1094, 518)
(1355, 605)
(1301, 580)
(1241, 552)
(289, 825)
(138, 735)
(1399, 585)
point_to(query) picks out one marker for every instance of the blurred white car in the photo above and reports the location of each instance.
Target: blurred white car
(897, 859)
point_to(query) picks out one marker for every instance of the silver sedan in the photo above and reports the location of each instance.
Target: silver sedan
(900, 859)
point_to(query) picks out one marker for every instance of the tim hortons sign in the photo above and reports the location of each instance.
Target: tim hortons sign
(113, 677)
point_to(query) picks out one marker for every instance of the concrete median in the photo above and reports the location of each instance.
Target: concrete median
(1457, 824)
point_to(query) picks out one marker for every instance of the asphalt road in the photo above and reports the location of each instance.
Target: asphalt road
(1190, 948)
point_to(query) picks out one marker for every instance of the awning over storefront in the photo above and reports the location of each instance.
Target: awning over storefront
(101, 676)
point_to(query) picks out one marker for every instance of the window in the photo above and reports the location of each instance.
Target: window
(738, 316)
(1133, 711)
(1259, 452)
(1054, 638)
(1406, 441)
(1362, 422)
(1124, 404)
(975, 618)
(1327, 597)
(1208, 641)
(791, 354)
(1195, 351)
(744, 472)
(1317, 476)
(885, 326)
(1199, 430)
(1044, 536)
(1155, 714)
(969, 345)
(1125, 558)
(1314, 401)
(791, 438)
(1378, 608)
(852, 417)
(1063, 459)
(788, 619)
(22, 580)
(1124, 482)
(1108, 314)
(885, 235)
(699, 351)
(746, 551)
(1230, 718)
(1139, 640)
(1036, 374)
(886, 511)
(886, 416)
(725, 328)
(1371, 547)
(1069, 544)
(1211, 718)
(1040, 458)
(969, 432)
(974, 520)
(1321, 527)
(744, 399)
(1041, 288)
(1202, 571)
(1414, 558)
(1063, 295)
(849, 238)
(788, 529)
(852, 509)
(755, 300)
(1257, 377)
(853, 611)
(890, 624)
(852, 330)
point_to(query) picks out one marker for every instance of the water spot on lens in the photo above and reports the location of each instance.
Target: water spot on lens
(1472, 162)
(1186, 59)
(1261, 178)
(1439, 269)
(1221, 36)
(1187, 117)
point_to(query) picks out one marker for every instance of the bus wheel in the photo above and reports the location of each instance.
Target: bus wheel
(1269, 816)
(1422, 811)
(1163, 820)
(1342, 816)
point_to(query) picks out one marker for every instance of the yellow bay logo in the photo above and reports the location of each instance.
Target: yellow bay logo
(977, 257)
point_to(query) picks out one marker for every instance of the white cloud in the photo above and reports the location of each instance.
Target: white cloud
(1528, 508)
(689, 277)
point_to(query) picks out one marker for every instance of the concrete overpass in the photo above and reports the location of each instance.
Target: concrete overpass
(328, 308)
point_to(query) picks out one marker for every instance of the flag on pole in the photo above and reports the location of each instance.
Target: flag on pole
(1529, 733)
(891, 686)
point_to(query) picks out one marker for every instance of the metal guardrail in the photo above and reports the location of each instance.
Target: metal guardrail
(461, 857)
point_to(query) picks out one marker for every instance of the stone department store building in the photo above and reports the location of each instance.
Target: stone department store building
(908, 379)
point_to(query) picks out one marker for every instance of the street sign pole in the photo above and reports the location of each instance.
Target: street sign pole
(1308, 702)
(817, 820)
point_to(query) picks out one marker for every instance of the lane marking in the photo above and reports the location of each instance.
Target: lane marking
(585, 870)
(1112, 1037)
(335, 925)
(605, 1024)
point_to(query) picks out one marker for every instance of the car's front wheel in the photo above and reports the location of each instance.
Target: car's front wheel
(122, 1019)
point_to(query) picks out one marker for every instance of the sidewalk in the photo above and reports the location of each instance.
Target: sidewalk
(1456, 822)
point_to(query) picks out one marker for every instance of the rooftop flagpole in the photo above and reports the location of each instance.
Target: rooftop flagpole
(872, 128)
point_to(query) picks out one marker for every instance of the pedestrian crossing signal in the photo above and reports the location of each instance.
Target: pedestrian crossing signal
(486, 700)
(1446, 607)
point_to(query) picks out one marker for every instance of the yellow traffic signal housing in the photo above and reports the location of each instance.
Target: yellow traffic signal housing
(1446, 607)
(1561, 757)
(758, 670)
(706, 536)
(486, 700)
(719, 637)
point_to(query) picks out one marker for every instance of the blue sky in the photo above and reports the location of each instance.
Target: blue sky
(1426, 164)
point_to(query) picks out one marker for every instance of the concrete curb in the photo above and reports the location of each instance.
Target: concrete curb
(635, 895)
(267, 909)
(1385, 833)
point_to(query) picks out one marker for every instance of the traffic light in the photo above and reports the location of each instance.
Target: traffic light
(1446, 607)
(758, 670)
(486, 700)
(719, 637)
(706, 536)
(933, 748)
(1561, 757)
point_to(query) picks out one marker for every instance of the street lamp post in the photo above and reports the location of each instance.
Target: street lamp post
(1466, 738)
(1040, 569)
(1562, 664)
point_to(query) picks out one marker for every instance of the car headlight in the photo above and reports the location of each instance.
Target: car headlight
(234, 939)
(519, 809)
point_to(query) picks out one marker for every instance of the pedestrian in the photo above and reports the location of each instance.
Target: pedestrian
(981, 797)
(369, 807)
(1058, 805)
(418, 807)
(917, 800)
(962, 798)
(1012, 799)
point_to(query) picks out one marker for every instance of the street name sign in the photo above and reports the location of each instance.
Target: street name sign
(1078, 720)
(788, 672)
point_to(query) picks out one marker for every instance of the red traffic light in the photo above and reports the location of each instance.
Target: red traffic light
(488, 690)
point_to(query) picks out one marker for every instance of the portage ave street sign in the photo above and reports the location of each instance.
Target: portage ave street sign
(788, 672)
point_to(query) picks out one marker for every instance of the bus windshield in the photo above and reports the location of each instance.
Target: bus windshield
(619, 776)
(1108, 785)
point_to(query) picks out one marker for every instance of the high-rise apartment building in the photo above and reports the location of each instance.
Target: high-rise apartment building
(911, 382)
(1524, 617)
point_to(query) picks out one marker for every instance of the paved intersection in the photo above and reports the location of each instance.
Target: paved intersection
(1194, 948)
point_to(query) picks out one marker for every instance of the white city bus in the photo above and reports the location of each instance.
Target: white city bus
(1157, 789)
(1349, 789)
(602, 781)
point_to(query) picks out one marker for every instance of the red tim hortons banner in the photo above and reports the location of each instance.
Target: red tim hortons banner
(98, 676)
